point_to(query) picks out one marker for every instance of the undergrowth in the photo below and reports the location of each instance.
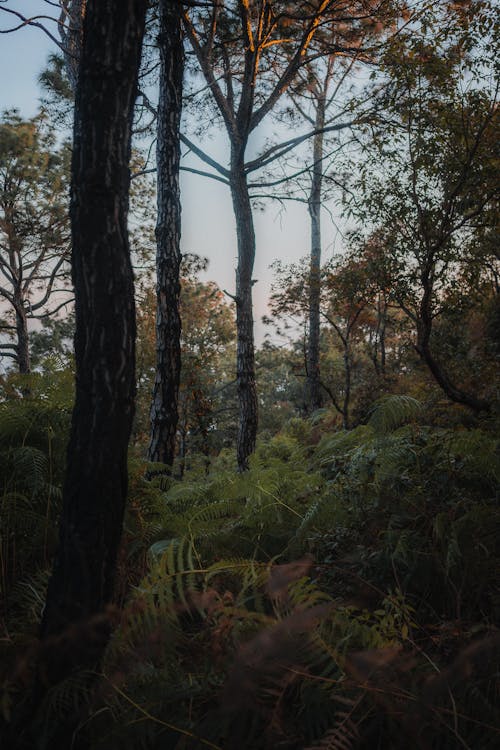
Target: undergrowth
(342, 593)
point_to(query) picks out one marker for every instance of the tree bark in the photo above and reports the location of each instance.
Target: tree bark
(382, 325)
(95, 485)
(346, 422)
(313, 386)
(164, 406)
(22, 345)
(71, 33)
(245, 355)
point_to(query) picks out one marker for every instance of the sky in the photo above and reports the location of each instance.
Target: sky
(208, 227)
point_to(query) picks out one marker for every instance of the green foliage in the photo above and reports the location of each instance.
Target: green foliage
(284, 606)
(33, 432)
(220, 642)
(428, 497)
(425, 191)
(34, 226)
(206, 413)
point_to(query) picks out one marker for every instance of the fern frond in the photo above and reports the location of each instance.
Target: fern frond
(343, 736)
(392, 411)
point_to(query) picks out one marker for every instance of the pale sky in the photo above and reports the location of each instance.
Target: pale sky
(207, 220)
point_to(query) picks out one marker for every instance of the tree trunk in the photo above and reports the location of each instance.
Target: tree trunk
(314, 398)
(245, 355)
(382, 332)
(95, 485)
(442, 379)
(22, 346)
(164, 406)
(346, 422)
(424, 331)
(71, 38)
(377, 345)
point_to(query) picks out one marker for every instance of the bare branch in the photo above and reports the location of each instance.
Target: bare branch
(280, 149)
(205, 174)
(221, 101)
(293, 66)
(54, 309)
(33, 21)
(204, 156)
(50, 285)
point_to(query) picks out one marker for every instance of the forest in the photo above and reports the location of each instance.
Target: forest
(213, 538)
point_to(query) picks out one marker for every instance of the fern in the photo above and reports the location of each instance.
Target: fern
(393, 411)
(343, 736)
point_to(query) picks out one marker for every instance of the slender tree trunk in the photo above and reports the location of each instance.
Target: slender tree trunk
(182, 450)
(378, 352)
(14, 250)
(245, 355)
(71, 33)
(346, 423)
(164, 406)
(95, 486)
(22, 346)
(314, 398)
(382, 332)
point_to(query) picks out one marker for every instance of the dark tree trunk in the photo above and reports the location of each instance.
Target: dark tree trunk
(164, 406)
(22, 346)
(382, 330)
(314, 398)
(346, 422)
(442, 379)
(377, 343)
(95, 486)
(245, 356)
(423, 347)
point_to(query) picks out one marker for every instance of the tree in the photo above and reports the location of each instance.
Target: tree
(318, 88)
(314, 93)
(314, 206)
(96, 476)
(249, 54)
(346, 295)
(164, 404)
(206, 414)
(59, 81)
(207, 344)
(428, 178)
(34, 229)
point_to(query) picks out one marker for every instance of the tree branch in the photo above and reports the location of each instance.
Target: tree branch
(221, 101)
(33, 21)
(280, 149)
(204, 156)
(204, 174)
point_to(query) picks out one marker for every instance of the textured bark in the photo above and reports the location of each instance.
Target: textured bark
(245, 355)
(71, 33)
(313, 386)
(22, 345)
(95, 485)
(346, 422)
(164, 406)
(17, 299)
